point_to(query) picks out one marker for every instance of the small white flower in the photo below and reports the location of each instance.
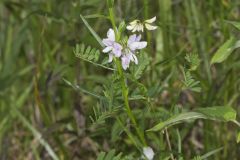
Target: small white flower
(112, 48)
(137, 25)
(148, 153)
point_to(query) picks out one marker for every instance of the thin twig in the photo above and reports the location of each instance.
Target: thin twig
(169, 144)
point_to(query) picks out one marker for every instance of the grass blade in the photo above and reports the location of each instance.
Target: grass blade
(212, 113)
(211, 153)
(224, 51)
(95, 35)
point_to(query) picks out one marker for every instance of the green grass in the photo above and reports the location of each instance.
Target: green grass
(54, 105)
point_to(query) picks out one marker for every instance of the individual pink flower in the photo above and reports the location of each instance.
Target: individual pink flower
(112, 47)
(133, 44)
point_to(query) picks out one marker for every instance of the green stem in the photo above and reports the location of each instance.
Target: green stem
(111, 17)
(126, 102)
(122, 77)
(128, 133)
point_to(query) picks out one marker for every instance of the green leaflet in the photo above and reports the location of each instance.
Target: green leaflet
(205, 156)
(193, 60)
(111, 155)
(225, 50)
(211, 153)
(220, 113)
(177, 119)
(89, 54)
(190, 83)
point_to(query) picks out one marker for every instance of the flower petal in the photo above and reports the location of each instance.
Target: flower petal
(150, 27)
(137, 45)
(117, 52)
(134, 59)
(117, 49)
(132, 39)
(138, 38)
(107, 49)
(130, 27)
(117, 46)
(148, 152)
(110, 57)
(150, 20)
(142, 28)
(111, 34)
(139, 27)
(107, 42)
(125, 62)
(135, 28)
(133, 23)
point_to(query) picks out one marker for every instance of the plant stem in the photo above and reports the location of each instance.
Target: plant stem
(128, 133)
(111, 17)
(169, 144)
(126, 102)
(123, 79)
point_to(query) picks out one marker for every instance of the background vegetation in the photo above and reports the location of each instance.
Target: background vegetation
(52, 104)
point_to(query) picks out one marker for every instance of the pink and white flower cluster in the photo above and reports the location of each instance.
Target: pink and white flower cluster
(133, 44)
(127, 54)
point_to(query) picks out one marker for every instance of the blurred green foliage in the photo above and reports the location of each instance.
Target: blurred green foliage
(43, 116)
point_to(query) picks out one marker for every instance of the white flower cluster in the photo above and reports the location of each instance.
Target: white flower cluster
(127, 53)
(136, 25)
